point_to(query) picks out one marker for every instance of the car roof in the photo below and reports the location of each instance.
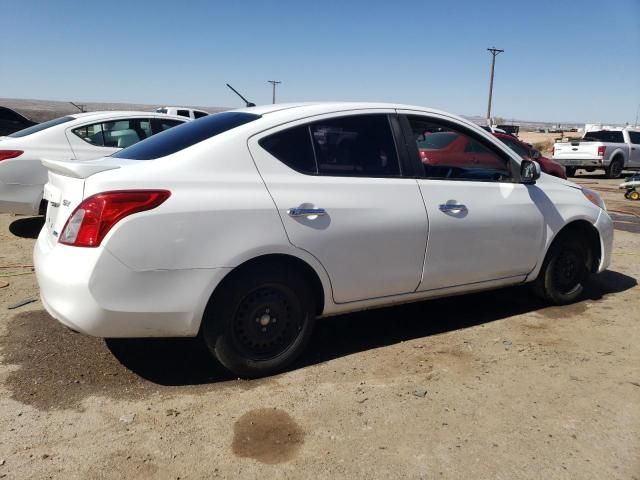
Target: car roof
(280, 112)
(118, 114)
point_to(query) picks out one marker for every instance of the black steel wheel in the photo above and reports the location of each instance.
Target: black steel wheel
(260, 320)
(564, 271)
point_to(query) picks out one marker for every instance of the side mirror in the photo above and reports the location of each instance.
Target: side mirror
(529, 171)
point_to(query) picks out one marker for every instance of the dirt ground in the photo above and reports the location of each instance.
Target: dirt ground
(487, 386)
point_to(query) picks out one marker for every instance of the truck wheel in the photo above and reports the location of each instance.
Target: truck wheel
(614, 170)
(634, 195)
(564, 271)
(570, 171)
(260, 320)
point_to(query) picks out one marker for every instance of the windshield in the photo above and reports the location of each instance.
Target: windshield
(604, 136)
(183, 136)
(41, 126)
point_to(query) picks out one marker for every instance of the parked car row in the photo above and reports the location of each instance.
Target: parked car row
(82, 136)
(245, 226)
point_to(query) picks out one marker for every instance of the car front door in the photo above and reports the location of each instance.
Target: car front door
(338, 184)
(483, 226)
(634, 149)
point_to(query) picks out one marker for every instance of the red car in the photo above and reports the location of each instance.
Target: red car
(527, 151)
(448, 148)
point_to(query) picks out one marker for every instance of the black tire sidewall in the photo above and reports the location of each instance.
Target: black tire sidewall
(218, 321)
(546, 283)
(611, 171)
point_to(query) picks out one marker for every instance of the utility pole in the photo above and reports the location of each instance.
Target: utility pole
(274, 83)
(494, 53)
(637, 112)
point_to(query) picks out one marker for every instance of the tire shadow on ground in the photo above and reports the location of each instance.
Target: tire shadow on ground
(28, 227)
(186, 362)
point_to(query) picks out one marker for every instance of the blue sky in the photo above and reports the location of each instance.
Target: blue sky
(564, 60)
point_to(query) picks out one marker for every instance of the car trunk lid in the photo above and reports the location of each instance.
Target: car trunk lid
(65, 189)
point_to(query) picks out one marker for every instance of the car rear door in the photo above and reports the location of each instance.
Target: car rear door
(482, 225)
(337, 181)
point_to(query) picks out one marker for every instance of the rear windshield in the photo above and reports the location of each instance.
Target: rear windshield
(41, 126)
(604, 136)
(183, 136)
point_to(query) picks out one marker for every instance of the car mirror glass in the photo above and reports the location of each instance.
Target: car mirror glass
(529, 171)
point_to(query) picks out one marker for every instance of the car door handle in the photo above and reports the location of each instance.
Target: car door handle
(453, 207)
(306, 212)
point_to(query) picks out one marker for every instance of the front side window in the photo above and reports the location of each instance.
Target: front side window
(183, 113)
(184, 136)
(449, 152)
(126, 132)
(515, 146)
(41, 126)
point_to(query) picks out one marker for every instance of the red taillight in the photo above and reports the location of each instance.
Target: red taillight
(601, 150)
(93, 218)
(7, 154)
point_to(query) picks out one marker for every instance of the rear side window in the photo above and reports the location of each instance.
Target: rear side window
(162, 124)
(604, 136)
(293, 148)
(41, 126)
(361, 145)
(634, 137)
(184, 136)
(91, 134)
(515, 146)
(161, 110)
(198, 114)
(117, 134)
(183, 113)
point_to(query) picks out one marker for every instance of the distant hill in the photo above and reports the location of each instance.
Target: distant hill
(43, 110)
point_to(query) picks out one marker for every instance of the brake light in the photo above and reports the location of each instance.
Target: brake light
(601, 150)
(7, 154)
(96, 215)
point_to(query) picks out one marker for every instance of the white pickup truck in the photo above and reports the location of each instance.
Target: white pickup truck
(612, 150)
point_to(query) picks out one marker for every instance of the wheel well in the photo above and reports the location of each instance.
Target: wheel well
(584, 231)
(288, 262)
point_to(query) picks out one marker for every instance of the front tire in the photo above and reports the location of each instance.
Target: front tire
(260, 321)
(564, 271)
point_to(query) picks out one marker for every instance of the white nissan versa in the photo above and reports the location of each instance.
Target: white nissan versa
(243, 227)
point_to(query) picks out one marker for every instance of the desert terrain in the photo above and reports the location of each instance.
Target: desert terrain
(493, 385)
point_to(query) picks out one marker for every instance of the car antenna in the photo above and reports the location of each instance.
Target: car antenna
(247, 102)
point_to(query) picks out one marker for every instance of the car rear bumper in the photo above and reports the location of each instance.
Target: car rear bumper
(91, 291)
(579, 162)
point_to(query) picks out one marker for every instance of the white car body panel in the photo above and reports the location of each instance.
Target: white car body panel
(383, 241)
(22, 178)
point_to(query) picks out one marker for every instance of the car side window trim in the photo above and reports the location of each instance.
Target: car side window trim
(415, 155)
(402, 156)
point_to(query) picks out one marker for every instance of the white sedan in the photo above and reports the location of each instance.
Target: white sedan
(83, 136)
(245, 226)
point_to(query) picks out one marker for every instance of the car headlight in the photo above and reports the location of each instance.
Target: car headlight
(594, 197)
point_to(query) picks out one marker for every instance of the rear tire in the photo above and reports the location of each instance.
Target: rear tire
(614, 170)
(570, 171)
(564, 271)
(260, 320)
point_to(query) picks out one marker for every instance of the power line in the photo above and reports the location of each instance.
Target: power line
(274, 83)
(494, 53)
